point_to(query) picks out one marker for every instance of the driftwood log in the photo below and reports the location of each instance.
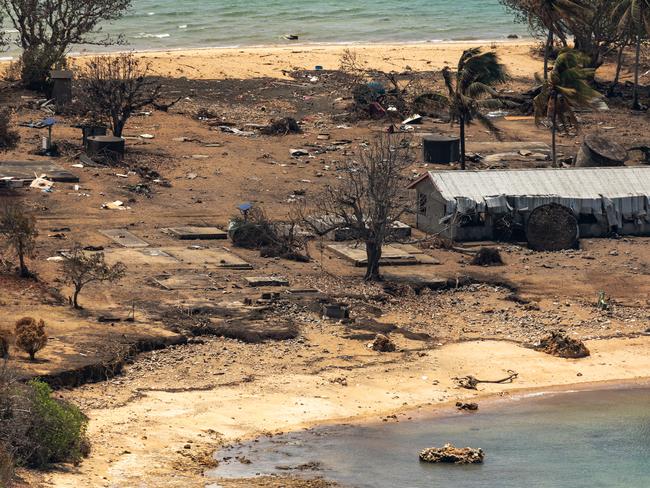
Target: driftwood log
(471, 382)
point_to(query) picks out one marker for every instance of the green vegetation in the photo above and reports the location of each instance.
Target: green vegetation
(472, 90)
(566, 90)
(37, 429)
(59, 428)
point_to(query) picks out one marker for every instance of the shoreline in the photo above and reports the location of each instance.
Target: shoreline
(447, 408)
(12, 56)
(278, 61)
(311, 45)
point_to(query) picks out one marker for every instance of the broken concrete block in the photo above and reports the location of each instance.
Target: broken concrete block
(258, 281)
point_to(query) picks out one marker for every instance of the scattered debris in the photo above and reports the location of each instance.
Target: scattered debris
(563, 346)
(338, 311)
(116, 205)
(487, 256)
(282, 127)
(603, 301)
(382, 343)
(467, 406)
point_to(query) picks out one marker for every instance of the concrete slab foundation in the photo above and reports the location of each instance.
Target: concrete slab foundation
(208, 258)
(188, 233)
(124, 238)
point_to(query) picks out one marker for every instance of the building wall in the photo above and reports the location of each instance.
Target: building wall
(429, 221)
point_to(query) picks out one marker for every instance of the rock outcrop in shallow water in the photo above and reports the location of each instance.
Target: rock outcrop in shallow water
(452, 455)
(563, 346)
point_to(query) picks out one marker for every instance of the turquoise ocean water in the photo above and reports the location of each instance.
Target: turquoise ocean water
(174, 24)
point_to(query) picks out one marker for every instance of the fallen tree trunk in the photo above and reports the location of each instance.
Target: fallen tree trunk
(471, 382)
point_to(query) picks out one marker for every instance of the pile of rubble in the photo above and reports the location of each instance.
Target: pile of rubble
(563, 346)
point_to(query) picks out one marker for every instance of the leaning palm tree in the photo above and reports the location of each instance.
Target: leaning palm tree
(476, 77)
(635, 22)
(566, 90)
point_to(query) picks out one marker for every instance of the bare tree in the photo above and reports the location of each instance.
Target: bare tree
(18, 227)
(48, 28)
(114, 87)
(81, 268)
(368, 197)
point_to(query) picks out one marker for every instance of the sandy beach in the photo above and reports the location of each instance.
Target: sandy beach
(276, 61)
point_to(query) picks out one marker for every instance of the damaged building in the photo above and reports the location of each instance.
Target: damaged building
(497, 205)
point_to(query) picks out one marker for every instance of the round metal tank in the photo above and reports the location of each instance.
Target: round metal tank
(440, 149)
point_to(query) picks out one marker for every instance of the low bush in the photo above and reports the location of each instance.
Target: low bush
(30, 336)
(35, 428)
(59, 428)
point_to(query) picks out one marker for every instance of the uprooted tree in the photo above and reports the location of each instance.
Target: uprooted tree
(48, 28)
(18, 227)
(81, 268)
(114, 87)
(367, 199)
(283, 239)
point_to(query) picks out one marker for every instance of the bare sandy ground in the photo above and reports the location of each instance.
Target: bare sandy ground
(144, 442)
(274, 61)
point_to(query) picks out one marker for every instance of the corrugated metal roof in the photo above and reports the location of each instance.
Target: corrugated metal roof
(579, 183)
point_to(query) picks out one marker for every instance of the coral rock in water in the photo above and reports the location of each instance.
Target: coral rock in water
(452, 455)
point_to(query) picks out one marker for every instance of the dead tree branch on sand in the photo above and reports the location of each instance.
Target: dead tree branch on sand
(471, 382)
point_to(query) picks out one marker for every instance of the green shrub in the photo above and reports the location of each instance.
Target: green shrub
(58, 430)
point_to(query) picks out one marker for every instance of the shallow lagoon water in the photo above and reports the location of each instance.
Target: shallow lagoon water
(594, 439)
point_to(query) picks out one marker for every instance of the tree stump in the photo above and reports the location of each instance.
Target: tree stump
(439, 149)
(106, 147)
(598, 151)
(552, 227)
(90, 131)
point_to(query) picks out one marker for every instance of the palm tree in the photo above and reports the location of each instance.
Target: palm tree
(566, 90)
(476, 77)
(634, 20)
(550, 14)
